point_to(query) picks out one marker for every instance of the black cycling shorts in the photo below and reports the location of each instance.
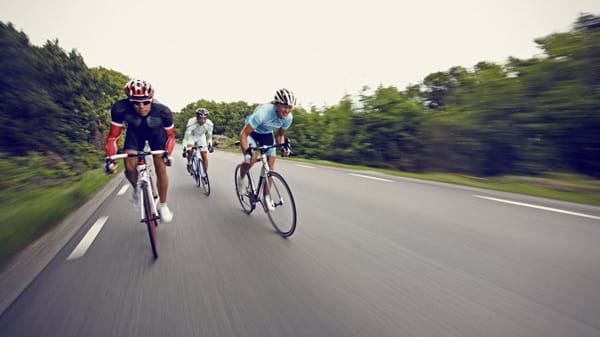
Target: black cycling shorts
(136, 138)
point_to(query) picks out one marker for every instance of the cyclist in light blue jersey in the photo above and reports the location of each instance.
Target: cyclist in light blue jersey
(259, 127)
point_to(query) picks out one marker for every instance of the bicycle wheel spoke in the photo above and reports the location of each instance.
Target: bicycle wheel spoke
(283, 216)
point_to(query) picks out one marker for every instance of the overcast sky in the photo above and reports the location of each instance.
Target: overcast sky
(227, 51)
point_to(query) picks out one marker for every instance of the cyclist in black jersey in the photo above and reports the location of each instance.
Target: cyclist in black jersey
(147, 120)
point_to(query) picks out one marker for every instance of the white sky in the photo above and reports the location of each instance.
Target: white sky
(231, 50)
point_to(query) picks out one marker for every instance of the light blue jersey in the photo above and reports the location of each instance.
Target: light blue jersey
(264, 119)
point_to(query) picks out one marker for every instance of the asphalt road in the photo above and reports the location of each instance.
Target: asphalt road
(373, 255)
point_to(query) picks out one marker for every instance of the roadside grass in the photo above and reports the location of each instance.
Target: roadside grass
(31, 211)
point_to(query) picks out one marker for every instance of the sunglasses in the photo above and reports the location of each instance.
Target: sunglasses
(140, 102)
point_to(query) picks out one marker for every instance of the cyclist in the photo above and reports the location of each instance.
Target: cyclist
(258, 131)
(147, 120)
(199, 130)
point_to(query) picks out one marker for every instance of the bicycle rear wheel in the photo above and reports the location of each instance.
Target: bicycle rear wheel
(283, 216)
(150, 219)
(245, 197)
(204, 182)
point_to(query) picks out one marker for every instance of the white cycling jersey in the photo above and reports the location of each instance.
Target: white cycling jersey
(199, 134)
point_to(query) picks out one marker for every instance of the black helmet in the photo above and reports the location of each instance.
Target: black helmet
(201, 112)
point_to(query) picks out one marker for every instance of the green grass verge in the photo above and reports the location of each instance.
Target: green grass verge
(33, 211)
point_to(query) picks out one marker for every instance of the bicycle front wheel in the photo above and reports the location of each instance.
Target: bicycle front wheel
(283, 212)
(150, 219)
(245, 197)
(204, 182)
(196, 170)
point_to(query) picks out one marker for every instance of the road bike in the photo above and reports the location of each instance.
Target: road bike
(146, 189)
(282, 211)
(197, 170)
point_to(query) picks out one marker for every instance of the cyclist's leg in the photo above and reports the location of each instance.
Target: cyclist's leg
(204, 154)
(189, 152)
(246, 166)
(157, 140)
(162, 180)
(132, 141)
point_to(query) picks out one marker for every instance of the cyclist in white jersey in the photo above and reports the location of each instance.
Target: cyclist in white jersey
(199, 130)
(259, 127)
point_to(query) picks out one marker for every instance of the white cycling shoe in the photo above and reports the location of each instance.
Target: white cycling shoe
(165, 213)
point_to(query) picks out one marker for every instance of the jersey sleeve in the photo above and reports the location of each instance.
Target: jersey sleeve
(209, 131)
(117, 113)
(167, 117)
(287, 122)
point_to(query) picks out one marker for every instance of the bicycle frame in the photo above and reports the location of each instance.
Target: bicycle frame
(196, 153)
(144, 181)
(264, 171)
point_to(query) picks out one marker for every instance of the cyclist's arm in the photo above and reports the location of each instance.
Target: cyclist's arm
(112, 140)
(209, 133)
(189, 127)
(246, 131)
(280, 136)
(170, 131)
(117, 117)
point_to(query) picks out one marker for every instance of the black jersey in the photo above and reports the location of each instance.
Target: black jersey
(140, 129)
(160, 116)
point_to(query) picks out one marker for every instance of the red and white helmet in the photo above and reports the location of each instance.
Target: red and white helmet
(139, 90)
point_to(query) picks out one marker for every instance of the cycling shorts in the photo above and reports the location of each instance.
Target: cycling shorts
(259, 139)
(135, 138)
(198, 140)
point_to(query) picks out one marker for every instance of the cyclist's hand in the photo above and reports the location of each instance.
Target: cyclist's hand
(167, 159)
(211, 149)
(109, 166)
(248, 156)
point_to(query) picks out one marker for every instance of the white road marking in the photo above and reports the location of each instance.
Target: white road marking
(87, 240)
(539, 207)
(123, 190)
(369, 177)
(305, 166)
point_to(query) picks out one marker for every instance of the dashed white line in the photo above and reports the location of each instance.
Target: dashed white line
(539, 207)
(123, 189)
(369, 177)
(87, 240)
(305, 166)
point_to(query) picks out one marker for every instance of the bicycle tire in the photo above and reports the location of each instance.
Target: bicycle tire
(283, 217)
(204, 183)
(246, 198)
(150, 220)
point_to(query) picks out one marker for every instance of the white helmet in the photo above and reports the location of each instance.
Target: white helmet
(284, 96)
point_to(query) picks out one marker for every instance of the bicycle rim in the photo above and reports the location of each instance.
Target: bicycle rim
(283, 217)
(150, 222)
(244, 197)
